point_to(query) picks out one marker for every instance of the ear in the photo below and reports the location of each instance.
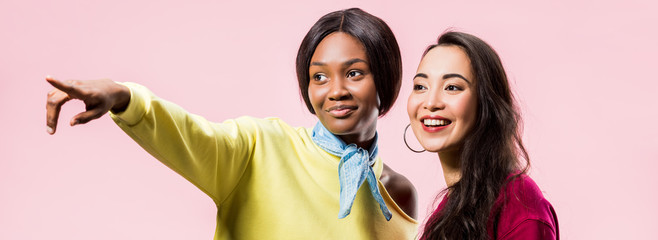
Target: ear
(379, 101)
(379, 104)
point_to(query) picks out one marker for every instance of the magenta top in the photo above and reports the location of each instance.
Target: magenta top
(524, 213)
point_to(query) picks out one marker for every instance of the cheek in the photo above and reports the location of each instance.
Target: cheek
(467, 110)
(365, 93)
(316, 95)
(412, 106)
(365, 90)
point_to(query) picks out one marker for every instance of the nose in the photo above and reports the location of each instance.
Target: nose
(434, 101)
(338, 90)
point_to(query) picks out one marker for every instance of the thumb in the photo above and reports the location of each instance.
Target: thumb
(91, 114)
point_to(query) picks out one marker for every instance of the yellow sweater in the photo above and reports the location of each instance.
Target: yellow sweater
(268, 180)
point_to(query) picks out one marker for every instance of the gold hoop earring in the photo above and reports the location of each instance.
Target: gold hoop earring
(404, 136)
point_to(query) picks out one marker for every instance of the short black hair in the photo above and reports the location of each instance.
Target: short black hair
(381, 48)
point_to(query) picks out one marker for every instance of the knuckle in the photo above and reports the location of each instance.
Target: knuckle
(51, 102)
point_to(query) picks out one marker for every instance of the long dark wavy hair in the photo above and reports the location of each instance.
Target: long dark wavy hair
(492, 153)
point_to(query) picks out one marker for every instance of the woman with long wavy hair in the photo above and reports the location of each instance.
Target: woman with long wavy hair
(462, 108)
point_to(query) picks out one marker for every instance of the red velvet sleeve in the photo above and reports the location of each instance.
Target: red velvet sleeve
(533, 230)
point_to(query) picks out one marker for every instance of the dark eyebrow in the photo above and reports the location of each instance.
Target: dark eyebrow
(345, 64)
(420, 75)
(446, 76)
(353, 61)
(453, 75)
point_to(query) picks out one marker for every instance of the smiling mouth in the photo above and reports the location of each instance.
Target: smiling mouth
(341, 111)
(436, 122)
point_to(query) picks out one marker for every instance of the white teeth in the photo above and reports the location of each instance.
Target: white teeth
(435, 122)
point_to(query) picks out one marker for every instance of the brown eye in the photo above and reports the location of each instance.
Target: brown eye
(319, 77)
(418, 87)
(453, 88)
(354, 74)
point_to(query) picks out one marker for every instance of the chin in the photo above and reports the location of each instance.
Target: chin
(434, 149)
(340, 127)
(437, 145)
(446, 149)
(431, 144)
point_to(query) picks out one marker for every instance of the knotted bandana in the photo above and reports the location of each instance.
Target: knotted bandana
(355, 166)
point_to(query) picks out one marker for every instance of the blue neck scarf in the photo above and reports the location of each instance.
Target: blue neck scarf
(355, 166)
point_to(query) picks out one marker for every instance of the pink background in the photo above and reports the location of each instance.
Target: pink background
(584, 74)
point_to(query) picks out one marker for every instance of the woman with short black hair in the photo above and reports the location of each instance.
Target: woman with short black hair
(270, 180)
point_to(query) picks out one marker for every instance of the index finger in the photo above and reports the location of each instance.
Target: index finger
(64, 86)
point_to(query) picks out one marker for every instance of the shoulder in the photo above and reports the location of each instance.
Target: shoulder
(524, 190)
(531, 229)
(269, 125)
(401, 190)
(523, 206)
(268, 121)
(259, 131)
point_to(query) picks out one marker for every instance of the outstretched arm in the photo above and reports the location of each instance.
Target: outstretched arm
(212, 156)
(99, 97)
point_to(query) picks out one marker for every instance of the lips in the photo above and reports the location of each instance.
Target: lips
(434, 123)
(341, 111)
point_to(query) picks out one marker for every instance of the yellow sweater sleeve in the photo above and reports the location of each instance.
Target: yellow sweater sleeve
(213, 156)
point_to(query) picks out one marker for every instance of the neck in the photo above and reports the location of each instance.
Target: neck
(450, 166)
(360, 141)
(363, 139)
